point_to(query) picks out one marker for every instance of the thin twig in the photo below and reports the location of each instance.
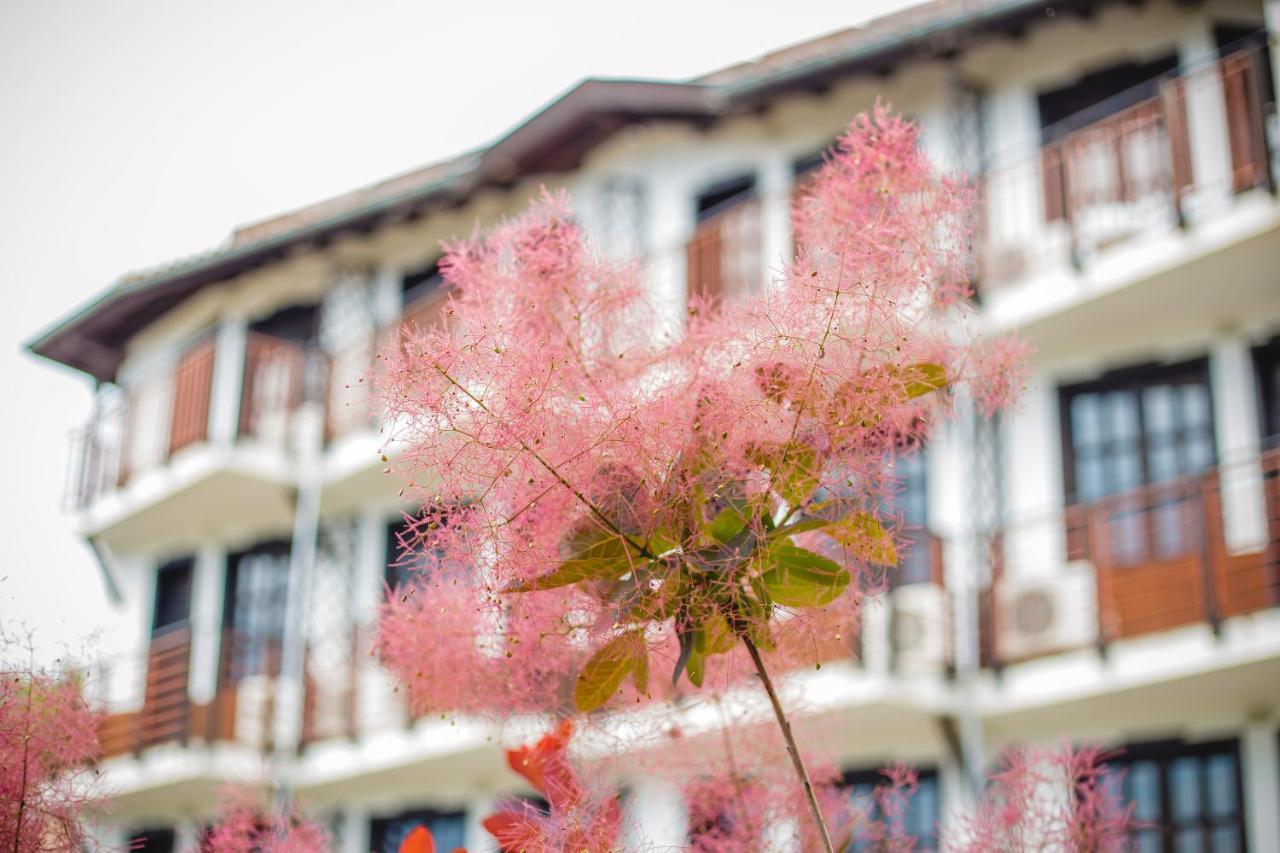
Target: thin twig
(796, 761)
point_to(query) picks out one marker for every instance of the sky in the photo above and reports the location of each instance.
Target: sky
(137, 131)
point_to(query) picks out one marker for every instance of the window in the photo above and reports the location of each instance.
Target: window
(449, 829)
(1186, 797)
(724, 257)
(256, 600)
(153, 840)
(911, 505)
(403, 569)
(920, 816)
(173, 596)
(1136, 428)
(1099, 94)
(1266, 360)
(421, 283)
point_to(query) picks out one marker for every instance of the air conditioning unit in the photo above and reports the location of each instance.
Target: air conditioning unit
(1047, 613)
(921, 627)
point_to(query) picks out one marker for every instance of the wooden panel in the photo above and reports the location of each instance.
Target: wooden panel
(165, 706)
(1247, 582)
(1244, 120)
(192, 388)
(118, 733)
(273, 374)
(702, 262)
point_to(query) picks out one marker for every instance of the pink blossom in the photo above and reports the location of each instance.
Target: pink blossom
(245, 826)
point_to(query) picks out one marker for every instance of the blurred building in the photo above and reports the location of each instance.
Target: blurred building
(1104, 564)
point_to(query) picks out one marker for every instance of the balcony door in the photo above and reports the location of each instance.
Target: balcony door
(1133, 443)
(257, 592)
(166, 707)
(724, 257)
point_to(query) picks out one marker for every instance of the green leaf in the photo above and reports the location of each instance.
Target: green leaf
(794, 469)
(801, 578)
(719, 637)
(864, 535)
(921, 379)
(728, 523)
(604, 673)
(696, 667)
(803, 525)
(605, 559)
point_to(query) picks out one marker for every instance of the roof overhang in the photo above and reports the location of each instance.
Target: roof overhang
(557, 138)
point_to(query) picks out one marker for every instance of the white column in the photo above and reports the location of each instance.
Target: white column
(478, 839)
(656, 816)
(775, 181)
(228, 377)
(672, 225)
(876, 645)
(1034, 540)
(355, 830)
(1271, 13)
(1014, 228)
(387, 295)
(208, 588)
(1235, 421)
(1206, 123)
(1260, 771)
(187, 835)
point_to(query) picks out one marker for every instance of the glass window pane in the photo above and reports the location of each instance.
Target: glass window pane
(1184, 789)
(1189, 841)
(1085, 428)
(1157, 409)
(1221, 778)
(1142, 788)
(1195, 406)
(1122, 408)
(1226, 839)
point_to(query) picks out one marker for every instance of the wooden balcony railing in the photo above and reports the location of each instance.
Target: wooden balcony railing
(1158, 557)
(724, 258)
(140, 428)
(274, 370)
(1125, 175)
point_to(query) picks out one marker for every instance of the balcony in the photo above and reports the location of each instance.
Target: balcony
(1196, 551)
(180, 441)
(724, 257)
(1142, 191)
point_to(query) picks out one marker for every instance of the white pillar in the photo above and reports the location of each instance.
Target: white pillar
(228, 377)
(1271, 13)
(1206, 123)
(775, 181)
(672, 225)
(1014, 228)
(656, 816)
(387, 294)
(1260, 770)
(1034, 540)
(187, 835)
(355, 830)
(876, 646)
(208, 588)
(478, 839)
(1235, 421)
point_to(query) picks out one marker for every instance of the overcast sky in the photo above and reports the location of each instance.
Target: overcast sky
(132, 132)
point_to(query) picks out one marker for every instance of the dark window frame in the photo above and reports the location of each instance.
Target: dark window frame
(1266, 371)
(182, 573)
(1164, 754)
(1133, 380)
(381, 826)
(863, 777)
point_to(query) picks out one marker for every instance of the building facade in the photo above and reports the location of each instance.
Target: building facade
(1103, 564)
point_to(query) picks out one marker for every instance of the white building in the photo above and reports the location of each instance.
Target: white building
(1104, 564)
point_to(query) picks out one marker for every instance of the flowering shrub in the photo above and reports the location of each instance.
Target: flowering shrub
(245, 826)
(48, 737)
(622, 492)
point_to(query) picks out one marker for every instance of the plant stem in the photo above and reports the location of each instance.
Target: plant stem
(796, 761)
